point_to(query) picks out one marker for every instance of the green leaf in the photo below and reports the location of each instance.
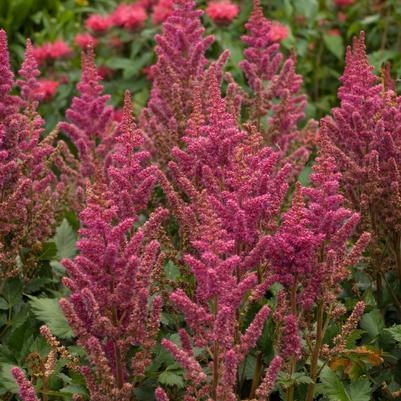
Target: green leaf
(49, 251)
(247, 368)
(172, 271)
(373, 323)
(288, 9)
(48, 310)
(65, 239)
(12, 291)
(360, 390)
(7, 381)
(332, 387)
(3, 304)
(169, 378)
(308, 8)
(395, 332)
(335, 44)
(335, 390)
(74, 389)
(303, 177)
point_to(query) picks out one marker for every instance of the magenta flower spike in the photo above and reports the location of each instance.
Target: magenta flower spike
(362, 134)
(180, 50)
(90, 119)
(111, 279)
(276, 104)
(29, 197)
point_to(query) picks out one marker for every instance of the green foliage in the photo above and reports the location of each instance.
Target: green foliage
(48, 310)
(65, 240)
(334, 389)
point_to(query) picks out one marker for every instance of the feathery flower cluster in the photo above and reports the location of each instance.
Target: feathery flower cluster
(234, 193)
(310, 248)
(181, 61)
(29, 200)
(112, 278)
(270, 78)
(363, 136)
(27, 392)
(90, 120)
(211, 316)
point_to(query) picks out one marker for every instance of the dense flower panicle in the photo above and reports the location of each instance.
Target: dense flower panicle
(111, 279)
(271, 78)
(211, 315)
(222, 12)
(268, 382)
(51, 51)
(90, 120)
(235, 168)
(310, 247)
(26, 392)
(29, 73)
(131, 182)
(363, 135)
(27, 184)
(180, 50)
(234, 195)
(161, 395)
(8, 104)
(291, 339)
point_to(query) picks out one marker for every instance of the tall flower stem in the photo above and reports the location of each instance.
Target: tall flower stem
(291, 389)
(316, 352)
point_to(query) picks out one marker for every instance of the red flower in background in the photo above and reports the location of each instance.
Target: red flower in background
(83, 40)
(51, 51)
(105, 72)
(334, 32)
(161, 11)
(129, 16)
(278, 31)
(47, 88)
(222, 12)
(98, 23)
(342, 3)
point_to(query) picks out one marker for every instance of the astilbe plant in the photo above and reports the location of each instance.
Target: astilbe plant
(180, 50)
(310, 255)
(364, 135)
(112, 280)
(29, 198)
(275, 104)
(235, 194)
(212, 315)
(89, 122)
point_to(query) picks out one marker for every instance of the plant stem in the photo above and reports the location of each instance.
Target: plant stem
(117, 353)
(256, 375)
(316, 353)
(291, 389)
